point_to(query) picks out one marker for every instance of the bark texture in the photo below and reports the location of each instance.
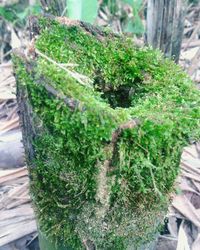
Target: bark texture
(165, 24)
(26, 119)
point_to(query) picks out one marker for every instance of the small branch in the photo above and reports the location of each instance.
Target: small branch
(117, 133)
(68, 64)
(103, 190)
(70, 102)
(78, 77)
(153, 180)
(130, 124)
(64, 11)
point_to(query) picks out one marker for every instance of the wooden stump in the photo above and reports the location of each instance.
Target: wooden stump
(165, 24)
(103, 129)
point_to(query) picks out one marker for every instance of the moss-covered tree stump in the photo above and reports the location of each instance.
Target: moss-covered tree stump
(104, 124)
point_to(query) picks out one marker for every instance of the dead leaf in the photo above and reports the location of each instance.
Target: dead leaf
(184, 206)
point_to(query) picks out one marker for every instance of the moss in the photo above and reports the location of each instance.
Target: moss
(72, 146)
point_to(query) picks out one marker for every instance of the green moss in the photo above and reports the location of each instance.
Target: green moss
(71, 147)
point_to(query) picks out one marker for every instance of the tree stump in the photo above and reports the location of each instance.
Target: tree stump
(165, 24)
(104, 123)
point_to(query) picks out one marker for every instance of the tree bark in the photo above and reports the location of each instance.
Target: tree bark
(5, 39)
(165, 24)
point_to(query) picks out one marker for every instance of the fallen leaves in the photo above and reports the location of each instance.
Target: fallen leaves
(17, 218)
(184, 212)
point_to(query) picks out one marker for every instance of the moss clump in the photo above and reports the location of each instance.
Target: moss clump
(86, 188)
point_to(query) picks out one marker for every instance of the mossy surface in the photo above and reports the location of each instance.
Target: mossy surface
(72, 146)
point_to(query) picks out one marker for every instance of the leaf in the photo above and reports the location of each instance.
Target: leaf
(7, 14)
(128, 1)
(36, 9)
(135, 4)
(12, 15)
(23, 15)
(182, 238)
(135, 26)
(83, 10)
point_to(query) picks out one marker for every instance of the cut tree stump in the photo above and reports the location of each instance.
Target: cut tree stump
(104, 124)
(165, 25)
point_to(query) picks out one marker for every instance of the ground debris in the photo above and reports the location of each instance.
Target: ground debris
(183, 228)
(17, 218)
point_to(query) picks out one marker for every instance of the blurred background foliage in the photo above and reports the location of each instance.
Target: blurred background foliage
(17, 12)
(123, 15)
(120, 15)
(194, 1)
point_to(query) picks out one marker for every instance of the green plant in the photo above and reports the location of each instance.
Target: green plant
(17, 13)
(126, 12)
(82, 10)
(134, 24)
(194, 1)
(107, 148)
